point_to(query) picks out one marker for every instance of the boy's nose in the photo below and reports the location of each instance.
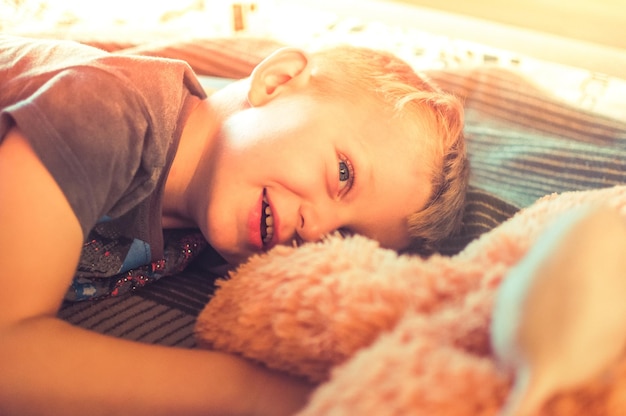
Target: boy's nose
(317, 221)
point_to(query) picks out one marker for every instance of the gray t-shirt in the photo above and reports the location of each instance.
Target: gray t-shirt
(106, 127)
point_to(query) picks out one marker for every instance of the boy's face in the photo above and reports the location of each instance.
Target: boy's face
(301, 167)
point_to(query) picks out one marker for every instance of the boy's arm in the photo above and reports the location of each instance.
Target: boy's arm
(50, 367)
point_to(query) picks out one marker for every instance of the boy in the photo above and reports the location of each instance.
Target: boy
(345, 140)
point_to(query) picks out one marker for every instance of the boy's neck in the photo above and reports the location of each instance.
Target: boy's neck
(198, 134)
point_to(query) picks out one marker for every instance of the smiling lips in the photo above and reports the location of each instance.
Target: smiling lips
(267, 221)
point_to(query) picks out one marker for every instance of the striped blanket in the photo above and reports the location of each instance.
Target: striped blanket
(523, 144)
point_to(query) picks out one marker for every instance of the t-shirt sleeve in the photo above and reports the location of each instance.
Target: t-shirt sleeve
(90, 130)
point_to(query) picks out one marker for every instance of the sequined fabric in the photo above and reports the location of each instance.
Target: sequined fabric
(108, 265)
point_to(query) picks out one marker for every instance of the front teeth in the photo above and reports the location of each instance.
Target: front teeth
(267, 222)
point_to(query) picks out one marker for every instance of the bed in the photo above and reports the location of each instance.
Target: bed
(522, 144)
(525, 140)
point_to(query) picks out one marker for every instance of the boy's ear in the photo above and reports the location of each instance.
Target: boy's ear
(284, 69)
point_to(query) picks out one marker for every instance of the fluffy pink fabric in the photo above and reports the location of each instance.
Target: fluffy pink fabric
(389, 334)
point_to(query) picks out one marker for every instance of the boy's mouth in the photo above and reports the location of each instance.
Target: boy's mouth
(267, 221)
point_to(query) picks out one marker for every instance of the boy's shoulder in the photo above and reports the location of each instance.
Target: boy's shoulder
(102, 124)
(33, 59)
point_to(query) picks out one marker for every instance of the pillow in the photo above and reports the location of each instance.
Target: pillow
(483, 212)
(524, 144)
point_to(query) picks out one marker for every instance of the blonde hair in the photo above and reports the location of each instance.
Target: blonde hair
(344, 71)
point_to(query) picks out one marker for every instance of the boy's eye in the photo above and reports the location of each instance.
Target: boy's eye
(346, 175)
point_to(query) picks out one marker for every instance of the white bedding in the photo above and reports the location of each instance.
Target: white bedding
(308, 24)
